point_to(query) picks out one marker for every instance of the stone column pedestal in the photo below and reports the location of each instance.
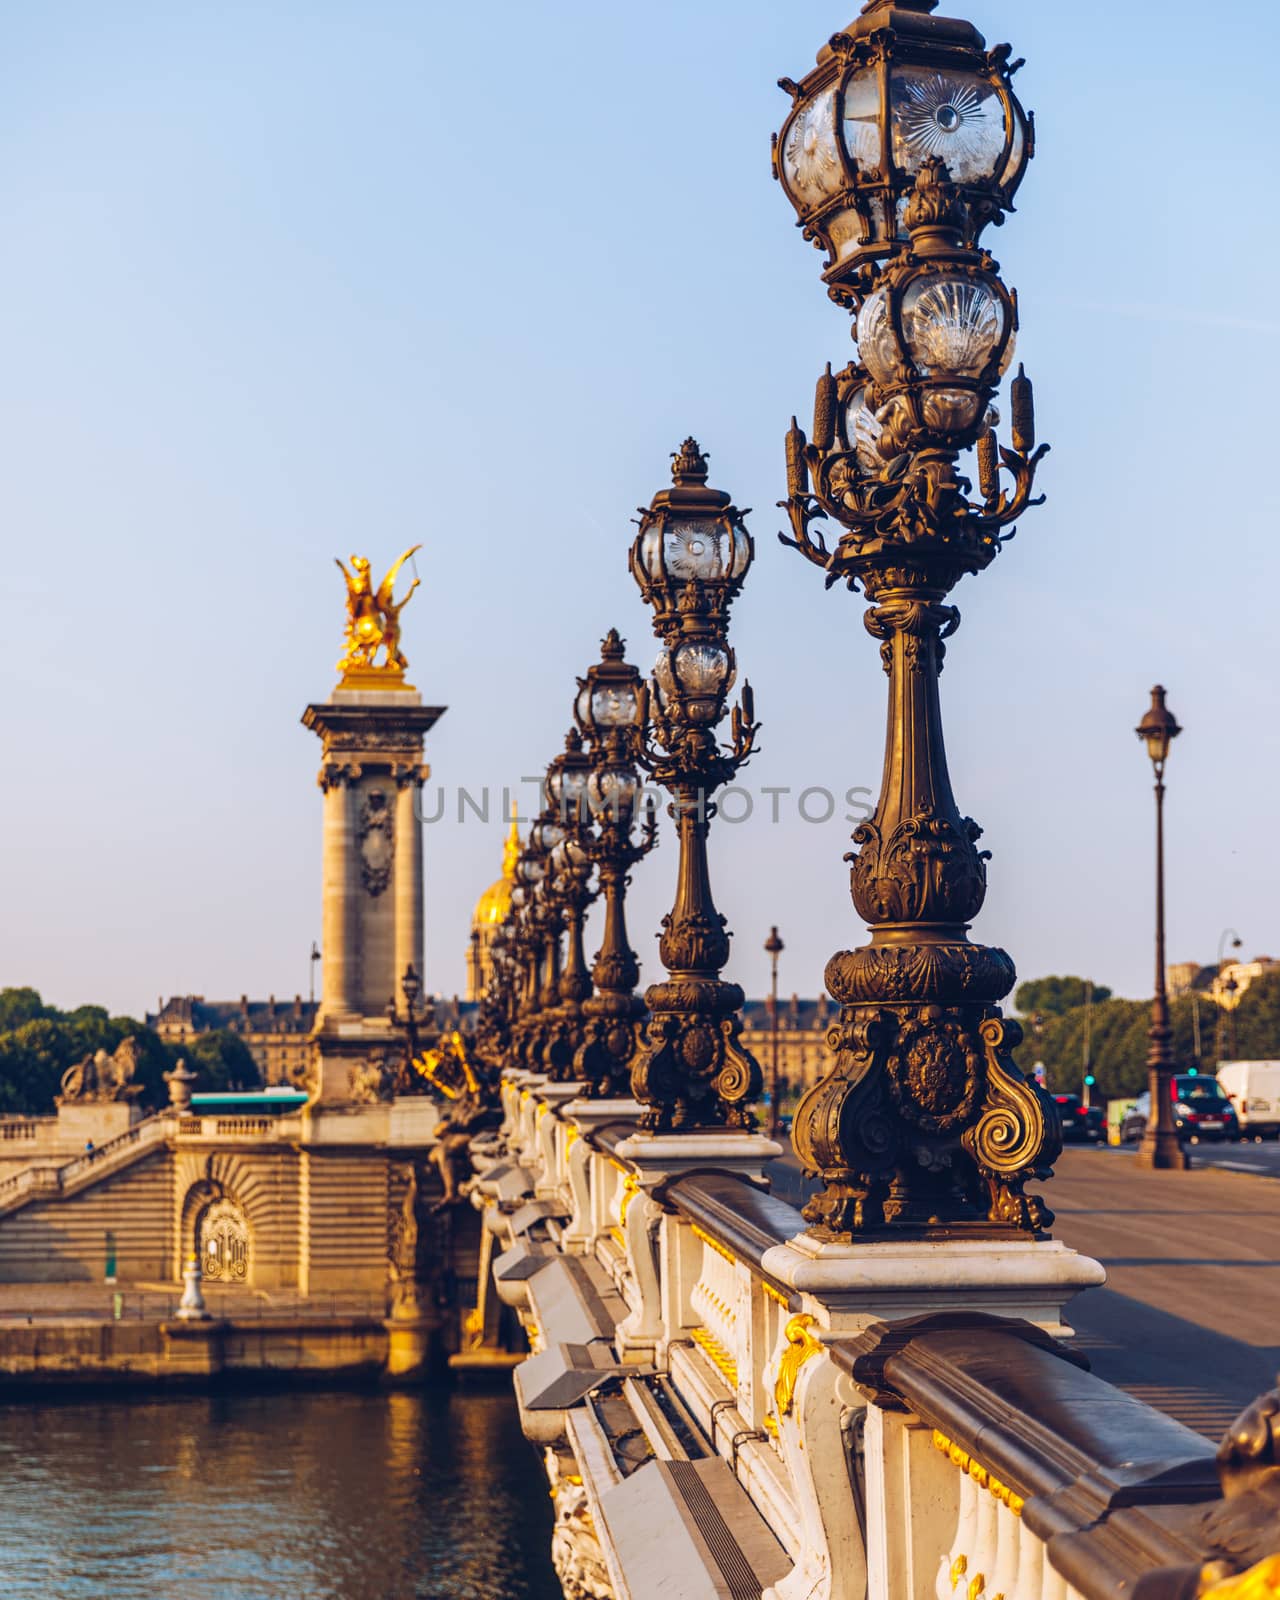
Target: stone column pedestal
(846, 1287)
(371, 772)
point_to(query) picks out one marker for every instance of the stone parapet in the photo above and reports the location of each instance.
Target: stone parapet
(812, 1420)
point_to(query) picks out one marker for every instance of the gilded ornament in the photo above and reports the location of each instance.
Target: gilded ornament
(1260, 1582)
(800, 1346)
(713, 1244)
(373, 622)
(719, 1356)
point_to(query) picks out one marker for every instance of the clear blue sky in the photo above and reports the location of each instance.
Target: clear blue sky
(285, 281)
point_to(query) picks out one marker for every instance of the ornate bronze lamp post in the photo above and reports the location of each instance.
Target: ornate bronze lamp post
(690, 558)
(530, 952)
(773, 947)
(568, 889)
(409, 1020)
(1160, 1146)
(546, 917)
(496, 1011)
(901, 145)
(608, 710)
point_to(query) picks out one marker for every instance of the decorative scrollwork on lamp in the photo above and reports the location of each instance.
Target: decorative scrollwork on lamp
(924, 1124)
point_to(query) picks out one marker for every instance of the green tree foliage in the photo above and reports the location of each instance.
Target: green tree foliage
(38, 1043)
(1256, 1023)
(1118, 1038)
(21, 1005)
(223, 1062)
(1054, 997)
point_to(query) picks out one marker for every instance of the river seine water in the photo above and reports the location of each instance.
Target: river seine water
(250, 1496)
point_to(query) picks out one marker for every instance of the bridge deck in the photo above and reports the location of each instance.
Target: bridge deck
(1190, 1316)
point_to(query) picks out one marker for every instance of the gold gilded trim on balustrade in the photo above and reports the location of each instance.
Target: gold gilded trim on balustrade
(980, 1474)
(1258, 1583)
(630, 1189)
(571, 1134)
(713, 1244)
(776, 1294)
(720, 1357)
(800, 1346)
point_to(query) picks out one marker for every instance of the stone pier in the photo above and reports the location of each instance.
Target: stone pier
(371, 775)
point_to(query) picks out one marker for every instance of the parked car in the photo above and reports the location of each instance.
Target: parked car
(1253, 1087)
(1201, 1110)
(1081, 1123)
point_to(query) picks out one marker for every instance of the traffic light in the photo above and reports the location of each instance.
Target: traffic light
(1193, 1072)
(1090, 1080)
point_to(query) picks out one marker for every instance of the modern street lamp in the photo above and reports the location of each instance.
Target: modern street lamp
(1160, 1146)
(690, 558)
(773, 949)
(608, 712)
(901, 145)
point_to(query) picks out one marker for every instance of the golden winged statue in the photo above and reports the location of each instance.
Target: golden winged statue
(373, 618)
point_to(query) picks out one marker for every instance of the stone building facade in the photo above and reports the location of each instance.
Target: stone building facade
(803, 1053)
(276, 1034)
(1225, 985)
(303, 1200)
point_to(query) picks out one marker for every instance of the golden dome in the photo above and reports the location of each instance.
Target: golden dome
(495, 902)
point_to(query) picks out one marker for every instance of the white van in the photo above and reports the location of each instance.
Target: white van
(1253, 1088)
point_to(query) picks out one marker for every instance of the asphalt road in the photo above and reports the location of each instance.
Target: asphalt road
(1260, 1157)
(1189, 1320)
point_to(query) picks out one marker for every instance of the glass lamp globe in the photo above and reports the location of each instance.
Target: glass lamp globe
(573, 784)
(546, 834)
(612, 792)
(936, 342)
(895, 89)
(955, 326)
(690, 533)
(1158, 728)
(608, 697)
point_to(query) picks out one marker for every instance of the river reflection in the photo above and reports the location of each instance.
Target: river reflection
(249, 1496)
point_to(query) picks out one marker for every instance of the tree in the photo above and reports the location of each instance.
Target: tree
(223, 1062)
(21, 1005)
(38, 1043)
(1054, 997)
(1257, 1020)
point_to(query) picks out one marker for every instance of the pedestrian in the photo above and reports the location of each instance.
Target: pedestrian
(89, 1149)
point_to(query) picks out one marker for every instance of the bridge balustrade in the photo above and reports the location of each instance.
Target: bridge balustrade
(710, 1428)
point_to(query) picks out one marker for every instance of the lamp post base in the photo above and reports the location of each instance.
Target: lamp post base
(1160, 1148)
